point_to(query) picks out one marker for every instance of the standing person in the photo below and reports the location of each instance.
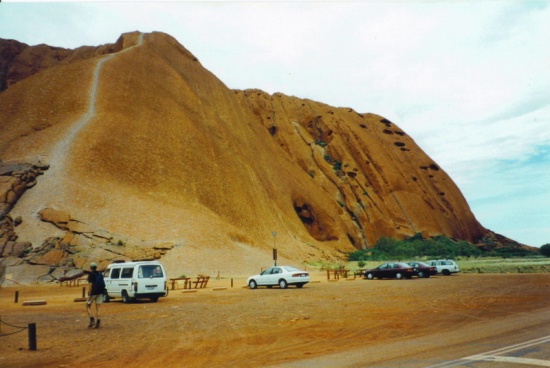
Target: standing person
(95, 294)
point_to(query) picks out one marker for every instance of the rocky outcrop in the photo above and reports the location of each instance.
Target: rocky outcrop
(15, 179)
(68, 256)
(60, 257)
(143, 141)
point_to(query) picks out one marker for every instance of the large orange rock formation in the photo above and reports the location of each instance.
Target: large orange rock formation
(142, 141)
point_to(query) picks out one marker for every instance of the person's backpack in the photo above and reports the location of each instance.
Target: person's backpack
(100, 281)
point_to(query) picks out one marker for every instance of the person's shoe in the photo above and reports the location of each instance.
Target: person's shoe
(97, 323)
(91, 322)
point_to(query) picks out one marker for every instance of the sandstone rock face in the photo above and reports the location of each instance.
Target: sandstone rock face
(143, 141)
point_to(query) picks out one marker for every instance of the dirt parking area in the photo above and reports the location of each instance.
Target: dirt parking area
(222, 326)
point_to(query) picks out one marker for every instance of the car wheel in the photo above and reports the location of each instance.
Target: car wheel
(283, 284)
(125, 297)
(299, 286)
(399, 275)
(421, 274)
(370, 276)
(252, 284)
(446, 272)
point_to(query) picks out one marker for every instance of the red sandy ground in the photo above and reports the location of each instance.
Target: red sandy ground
(236, 326)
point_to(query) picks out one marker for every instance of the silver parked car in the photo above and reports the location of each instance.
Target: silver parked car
(281, 276)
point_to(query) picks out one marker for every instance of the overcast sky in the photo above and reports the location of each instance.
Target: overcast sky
(469, 81)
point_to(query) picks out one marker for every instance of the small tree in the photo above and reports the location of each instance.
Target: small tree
(545, 250)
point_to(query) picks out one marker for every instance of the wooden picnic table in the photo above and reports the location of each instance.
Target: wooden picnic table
(359, 273)
(73, 282)
(336, 274)
(201, 281)
(186, 282)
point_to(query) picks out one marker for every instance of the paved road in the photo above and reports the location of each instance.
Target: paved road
(531, 353)
(518, 340)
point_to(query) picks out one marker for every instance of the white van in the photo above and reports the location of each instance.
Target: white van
(134, 280)
(444, 266)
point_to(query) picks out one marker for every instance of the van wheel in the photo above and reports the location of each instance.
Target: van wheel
(155, 299)
(125, 297)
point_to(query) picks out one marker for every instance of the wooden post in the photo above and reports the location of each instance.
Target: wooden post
(32, 336)
(16, 297)
(274, 233)
(231, 282)
(84, 292)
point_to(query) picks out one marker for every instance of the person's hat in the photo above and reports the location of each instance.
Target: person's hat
(93, 266)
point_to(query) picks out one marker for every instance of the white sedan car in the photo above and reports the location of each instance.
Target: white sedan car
(279, 275)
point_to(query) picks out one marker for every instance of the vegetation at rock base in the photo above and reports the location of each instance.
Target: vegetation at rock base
(545, 250)
(435, 247)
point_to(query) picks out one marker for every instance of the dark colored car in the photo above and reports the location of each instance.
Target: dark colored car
(397, 270)
(422, 269)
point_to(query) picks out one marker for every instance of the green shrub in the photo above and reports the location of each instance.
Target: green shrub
(321, 143)
(416, 247)
(545, 250)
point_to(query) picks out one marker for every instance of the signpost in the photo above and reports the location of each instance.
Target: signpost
(274, 249)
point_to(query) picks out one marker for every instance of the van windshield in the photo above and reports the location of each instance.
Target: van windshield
(150, 271)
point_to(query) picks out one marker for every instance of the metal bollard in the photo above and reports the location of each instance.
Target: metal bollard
(32, 336)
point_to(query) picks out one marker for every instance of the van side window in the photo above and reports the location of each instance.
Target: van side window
(127, 273)
(115, 273)
(106, 272)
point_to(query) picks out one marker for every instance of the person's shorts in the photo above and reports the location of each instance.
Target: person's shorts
(98, 299)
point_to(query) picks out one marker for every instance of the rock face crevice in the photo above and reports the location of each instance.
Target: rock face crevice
(167, 151)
